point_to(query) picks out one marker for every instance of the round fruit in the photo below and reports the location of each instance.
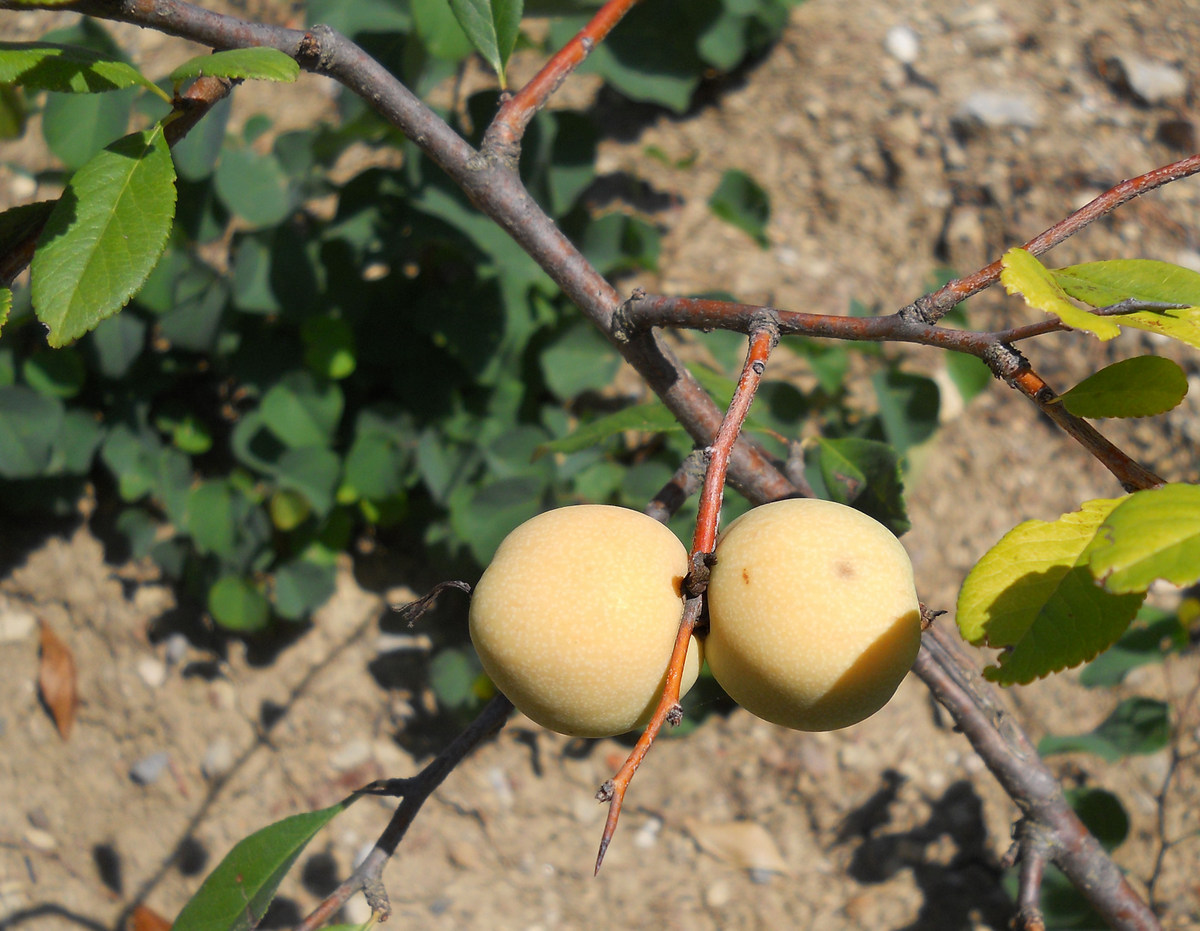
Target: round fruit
(576, 617)
(814, 618)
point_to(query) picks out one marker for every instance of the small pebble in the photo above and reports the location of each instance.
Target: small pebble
(16, 625)
(218, 759)
(1150, 81)
(176, 649)
(902, 43)
(152, 671)
(999, 108)
(148, 769)
(718, 894)
(40, 840)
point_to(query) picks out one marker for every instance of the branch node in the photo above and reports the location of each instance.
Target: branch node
(377, 897)
(675, 715)
(1005, 361)
(605, 792)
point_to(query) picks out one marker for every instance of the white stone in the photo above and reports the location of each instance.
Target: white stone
(152, 671)
(903, 44)
(16, 624)
(218, 759)
(1152, 81)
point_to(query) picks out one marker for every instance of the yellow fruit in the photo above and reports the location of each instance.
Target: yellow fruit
(576, 617)
(813, 612)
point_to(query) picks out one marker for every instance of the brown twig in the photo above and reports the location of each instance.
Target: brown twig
(763, 339)
(932, 307)
(367, 877)
(993, 348)
(683, 484)
(503, 136)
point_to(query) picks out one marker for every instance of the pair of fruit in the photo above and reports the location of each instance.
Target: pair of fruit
(813, 615)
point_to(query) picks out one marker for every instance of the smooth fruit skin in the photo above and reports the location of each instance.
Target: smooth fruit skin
(814, 617)
(576, 617)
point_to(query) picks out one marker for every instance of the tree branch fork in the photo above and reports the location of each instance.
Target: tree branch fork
(1049, 830)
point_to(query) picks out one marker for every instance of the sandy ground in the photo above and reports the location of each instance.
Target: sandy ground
(878, 175)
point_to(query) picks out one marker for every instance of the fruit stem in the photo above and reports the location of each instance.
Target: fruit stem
(764, 336)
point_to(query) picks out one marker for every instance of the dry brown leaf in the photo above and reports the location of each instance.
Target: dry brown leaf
(57, 681)
(744, 844)
(146, 919)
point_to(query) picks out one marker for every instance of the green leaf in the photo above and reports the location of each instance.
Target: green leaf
(452, 676)
(652, 417)
(741, 201)
(1023, 274)
(1033, 594)
(6, 299)
(1138, 387)
(302, 412)
(302, 586)
(863, 473)
(484, 516)
(76, 127)
(256, 64)
(492, 26)
(969, 374)
(68, 69)
(908, 406)
(329, 350)
(254, 187)
(1151, 639)
(236, 894)
(104, 236)
(58, 372)
(439, 29)
(1102, 814)
(238, 604)
(1152, 534)
(1102, 284)
(210, 518)
(19, 223)
(313, 472)
(580, 360)
(1137, 726)
(29, 423)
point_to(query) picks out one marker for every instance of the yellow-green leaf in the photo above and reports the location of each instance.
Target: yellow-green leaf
(104, 236)
(259, 64)
(1023, 274)
(1102, 284)
(1153, 534)
(1138, 387)
(1033, 595)
(6, 297)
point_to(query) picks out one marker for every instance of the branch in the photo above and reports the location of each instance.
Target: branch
(490, 182)
(932, 307)
(367, 877)
(1014, 761)
(503, 136)
(763, 339)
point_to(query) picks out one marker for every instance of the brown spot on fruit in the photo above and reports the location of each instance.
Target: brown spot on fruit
(746, 576)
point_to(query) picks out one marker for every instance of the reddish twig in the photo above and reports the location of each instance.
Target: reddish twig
(367, 877)
(503, 136)
(932, 307)
(763, 339)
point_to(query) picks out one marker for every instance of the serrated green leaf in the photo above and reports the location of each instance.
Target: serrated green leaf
(864, 473)
(1023, 274)
(238, 604)
(1153, 534)
(742, 202)
(652, 417)
(67, 69)
(6, 299)
(104, 236)
(236, 894)
(254, 64)
(1136, 726)
(1140, 387)
(1033, 594)
(439, 29)
(492, 26)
